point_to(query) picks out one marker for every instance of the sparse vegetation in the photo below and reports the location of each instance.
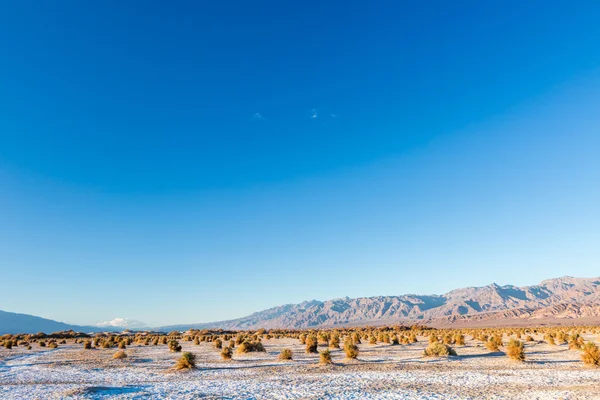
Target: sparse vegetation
(515, 350)
(119, 355)
(311, 344)
(438, 349)
(325, 357)
(187, 361)
(286, 354)
(248, 347)
(174, 346)
(226, 353)
(591, 354)
(351, 350)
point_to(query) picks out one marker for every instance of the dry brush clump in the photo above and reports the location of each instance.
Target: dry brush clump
(311, 344)
(438, 349)
(174, 346)
(187, 361)
(226, 353)
(325, 357)
(591, 354)
(119, 355)
(351, 350)
(515, 350)
(286, 354)
(250, 346)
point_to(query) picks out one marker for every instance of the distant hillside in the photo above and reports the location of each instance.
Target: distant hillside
(561, 298)
(24, 323)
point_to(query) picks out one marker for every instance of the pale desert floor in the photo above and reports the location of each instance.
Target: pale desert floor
(381, 372)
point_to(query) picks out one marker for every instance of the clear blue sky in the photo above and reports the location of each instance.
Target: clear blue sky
(193, 161)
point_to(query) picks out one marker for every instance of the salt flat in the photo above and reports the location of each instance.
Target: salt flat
(382, 371)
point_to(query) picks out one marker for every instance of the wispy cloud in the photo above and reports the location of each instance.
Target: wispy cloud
(258, 116)
(314, 113)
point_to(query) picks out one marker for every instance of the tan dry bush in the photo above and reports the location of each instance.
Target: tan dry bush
(119, 355)
(439, 350)
(286, 354)
(591, 354)
(515, 350)
(334, 341)
(311, 344)
(248, 347)
(351, 350)
(325, 357)
(226, 353)
(187, 361)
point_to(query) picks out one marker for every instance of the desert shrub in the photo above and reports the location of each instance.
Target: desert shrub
(493, 343)
(8, 344)
(196, 341)
(187, 361)
(591, 354)
(87, 345)
(174, 346)
(52, 345)
(561, 337)
(459, 339)
(334, 342)
(372, 339)
(356, 338)
(575, 342)
(248, 346)
(286, 354)
(351, 350)
(515, 350)
(439, 350)
(119, 355)
(433, 339)
(311, 344)
(394, 340)
(232, 343)
(226, 353)
(323, 338)
(42, 344)
(302, 338)
(122, 345)
(325, 357)
(218, 343)
(29, 347)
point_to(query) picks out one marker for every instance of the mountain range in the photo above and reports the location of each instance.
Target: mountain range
(553, 301)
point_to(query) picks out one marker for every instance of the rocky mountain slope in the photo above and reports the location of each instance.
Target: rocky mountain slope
(24, 323)
(565, 297)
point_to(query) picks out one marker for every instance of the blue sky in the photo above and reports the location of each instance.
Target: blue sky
(189, 161)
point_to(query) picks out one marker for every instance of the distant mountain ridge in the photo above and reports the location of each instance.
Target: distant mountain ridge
(24, 323)
(559, 298)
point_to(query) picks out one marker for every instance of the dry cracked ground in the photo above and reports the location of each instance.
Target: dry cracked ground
(381, 372)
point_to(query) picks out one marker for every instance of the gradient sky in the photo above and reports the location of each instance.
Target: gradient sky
(178, 162)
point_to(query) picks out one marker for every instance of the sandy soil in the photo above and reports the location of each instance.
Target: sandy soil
(381, 372)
